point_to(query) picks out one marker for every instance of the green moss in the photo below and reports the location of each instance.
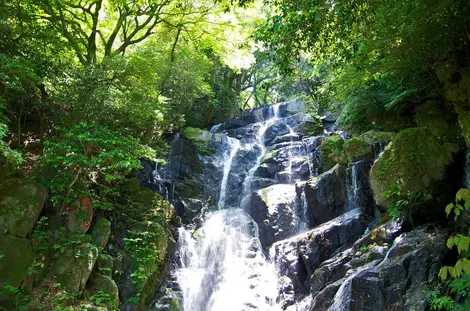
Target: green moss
(373, 137)
(409, 165)
(174, 305)
(332, 152)
(202, 140)
(357, 149)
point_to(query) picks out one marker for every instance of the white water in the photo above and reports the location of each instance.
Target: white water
(222, 265)
(234, 145)
(352, 188)
(260, 143)
(224, 268)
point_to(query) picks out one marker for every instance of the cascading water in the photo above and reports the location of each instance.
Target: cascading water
(234, 145)
(260, 144)
(222, 264)
(224, 268)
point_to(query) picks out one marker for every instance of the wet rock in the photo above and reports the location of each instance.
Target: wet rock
(298, 257)
(395, 278)
(21, 203)
(359, 193)
(188, 209)
(326, 195)
(16, 256)
(273, 208)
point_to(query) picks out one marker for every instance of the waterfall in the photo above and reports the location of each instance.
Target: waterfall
(234, 145)
(225, 268)
(352, 188)
(246, 193)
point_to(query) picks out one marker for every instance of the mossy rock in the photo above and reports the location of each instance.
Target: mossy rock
(410, 165)
(105, 264)
(73, 266)
(202, 140)
(16, 256)
(101, 284)
(151, 271)
(21, 203)
(100, 231)
(332, 152)
(439, 120)
(188, 188)
(372, 137)
(357, 149)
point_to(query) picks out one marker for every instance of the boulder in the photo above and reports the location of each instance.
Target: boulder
(464, 122)
(357, 149)
(100, 231)
(372, 137)
(74, 265)
(332, 152)
(79, 215)
(411, 164)
(273, 208)
(100, 284)
(16, 256)
(21, 203)
(291, 107)
(326, 195)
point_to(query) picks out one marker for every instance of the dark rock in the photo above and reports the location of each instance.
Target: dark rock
(394, 278)
(188, 209)
(326, 195)
(273, 208)
(298, 257)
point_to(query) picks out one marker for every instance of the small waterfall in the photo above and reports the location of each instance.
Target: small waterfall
(225, 268)
(352, 188)
(246, 193)
(234, 145)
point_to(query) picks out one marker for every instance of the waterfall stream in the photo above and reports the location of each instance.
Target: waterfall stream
(223, 265)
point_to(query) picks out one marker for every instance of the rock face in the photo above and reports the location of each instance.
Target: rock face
(21, 202)
(273, 208)
(381, 275)
(298, 257)
(326, 195)
(409, 165)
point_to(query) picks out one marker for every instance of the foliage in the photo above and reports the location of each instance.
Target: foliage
(460, 272)
(145, 249)
(89, 150)
(437, 301)
(377, 58)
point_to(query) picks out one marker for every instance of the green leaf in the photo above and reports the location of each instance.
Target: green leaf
(449, 208)
(443, 273)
